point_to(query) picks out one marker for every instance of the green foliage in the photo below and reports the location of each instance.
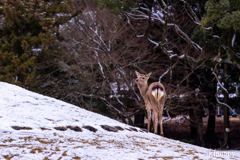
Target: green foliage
(204, 39)
(224, 18)
(116, 6)
(230, 20)
(29, 28)
(225, 13)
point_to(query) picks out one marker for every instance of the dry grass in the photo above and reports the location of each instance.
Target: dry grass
(48, 146)
(36, 150)
(181, 150)
(8, 140)
(64, 153)
(41, 140)
(8, 157)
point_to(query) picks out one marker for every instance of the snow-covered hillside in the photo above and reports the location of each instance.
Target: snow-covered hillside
(33, 126)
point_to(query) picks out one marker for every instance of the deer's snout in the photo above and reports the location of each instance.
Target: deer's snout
(136, 80)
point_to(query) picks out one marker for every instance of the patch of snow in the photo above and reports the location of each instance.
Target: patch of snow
(22, 108)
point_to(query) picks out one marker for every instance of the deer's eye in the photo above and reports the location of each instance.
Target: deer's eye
(143, 78)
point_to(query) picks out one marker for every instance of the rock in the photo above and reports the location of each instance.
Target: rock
(144, 130)
(119, 128)
(42, 128)
(133, 129)
(109, 128)
(60, 128)
(21, 128)
(128, 129)
(90, 128)
(76, 128)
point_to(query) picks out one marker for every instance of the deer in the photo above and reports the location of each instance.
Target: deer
(154, 97)
(142, 83)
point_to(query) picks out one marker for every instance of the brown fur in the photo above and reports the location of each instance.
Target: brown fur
(142, 84)
(157, 102)
(154, 98)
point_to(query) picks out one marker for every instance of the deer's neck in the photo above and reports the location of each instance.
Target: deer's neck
(143, 90)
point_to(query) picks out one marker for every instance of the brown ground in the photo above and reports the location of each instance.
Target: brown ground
(179, 132)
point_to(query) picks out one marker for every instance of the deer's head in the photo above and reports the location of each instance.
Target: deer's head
(142, 79)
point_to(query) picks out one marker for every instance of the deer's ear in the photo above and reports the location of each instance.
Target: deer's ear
(137, 73)
(149, 74)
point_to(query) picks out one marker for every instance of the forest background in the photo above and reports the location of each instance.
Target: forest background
(86, 53)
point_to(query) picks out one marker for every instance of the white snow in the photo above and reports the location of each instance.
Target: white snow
(22, 108)
(234, 38)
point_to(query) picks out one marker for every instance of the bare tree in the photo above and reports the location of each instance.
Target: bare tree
(169, 30)
(99, 54)
(186, 62)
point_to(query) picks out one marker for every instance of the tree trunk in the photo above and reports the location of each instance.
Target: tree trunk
(210, 138)
(211, 121)
(193, 128)
(196, 128)
(200, 140)
(227, 141)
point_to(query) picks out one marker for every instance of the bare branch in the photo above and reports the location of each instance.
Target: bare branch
(226, 105)
(218, 82)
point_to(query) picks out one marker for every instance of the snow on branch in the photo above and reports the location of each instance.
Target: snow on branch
(159, 80)
(195, 45)
(208, 28)
(180, 119)
(181, 56)
(155, 15)
(164, 4)
(94, 34)
(169, 69)
(169, 117)
(111, 106)
(234, 37)
(236, 54)
(155, 43)
(226, 105)
(120, 69)
(218, 82)
(188, 75)
(104, 77)
(100, 38)
(192, 14)
(106, 102)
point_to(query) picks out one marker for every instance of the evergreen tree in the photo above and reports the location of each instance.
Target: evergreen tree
(29, 27)
(116, 6)
(222, 20)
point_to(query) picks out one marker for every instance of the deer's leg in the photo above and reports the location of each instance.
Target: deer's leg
(149, 118)
(156, 123)
(153, 118)
(160, 121)
(161, 128)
